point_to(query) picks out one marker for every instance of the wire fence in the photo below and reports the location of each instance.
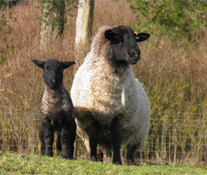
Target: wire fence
(174, 137)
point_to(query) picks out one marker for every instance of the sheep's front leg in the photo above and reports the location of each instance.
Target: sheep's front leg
(68, 135)
(46, 137)
(116, 142)
(93, 139)
(117, 155)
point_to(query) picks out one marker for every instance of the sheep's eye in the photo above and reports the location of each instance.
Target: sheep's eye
(118, 43)
(46, 70)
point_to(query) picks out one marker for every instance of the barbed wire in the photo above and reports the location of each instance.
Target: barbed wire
(156, 112)
(175, 138)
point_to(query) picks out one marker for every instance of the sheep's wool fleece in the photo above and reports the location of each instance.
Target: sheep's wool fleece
(99, 92)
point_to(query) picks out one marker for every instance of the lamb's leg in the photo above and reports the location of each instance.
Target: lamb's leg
(130, 153)
(41, 137)
(68, 135)
(58, 141)
(116, 143)
(99, 155)
(48, 137)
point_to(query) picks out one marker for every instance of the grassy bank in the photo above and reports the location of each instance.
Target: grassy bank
(23, 164)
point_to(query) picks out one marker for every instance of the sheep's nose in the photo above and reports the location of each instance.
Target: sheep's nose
(135, 53)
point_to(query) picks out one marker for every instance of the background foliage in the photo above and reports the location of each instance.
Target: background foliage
(178, 19)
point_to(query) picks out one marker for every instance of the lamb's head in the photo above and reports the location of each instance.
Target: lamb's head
(53, 71)
(119, 45)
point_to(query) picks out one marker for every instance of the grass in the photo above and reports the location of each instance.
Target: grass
(25, 164)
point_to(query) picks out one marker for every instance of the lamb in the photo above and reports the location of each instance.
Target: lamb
(111, 106)
(57, 110)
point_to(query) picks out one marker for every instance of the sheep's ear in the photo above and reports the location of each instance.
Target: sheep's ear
(38, 63)
(67, 64)
(141, 36)
(113, 36)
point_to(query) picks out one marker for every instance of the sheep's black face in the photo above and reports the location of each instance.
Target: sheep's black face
(124, 45)
(53, 71)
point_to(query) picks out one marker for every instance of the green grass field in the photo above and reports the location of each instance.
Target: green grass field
(24, 164)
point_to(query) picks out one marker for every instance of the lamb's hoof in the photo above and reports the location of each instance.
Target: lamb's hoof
(67, 157)
(49, 154)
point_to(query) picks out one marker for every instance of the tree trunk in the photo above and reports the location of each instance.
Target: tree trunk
(84, 23)
(9, 3)
(52, 21)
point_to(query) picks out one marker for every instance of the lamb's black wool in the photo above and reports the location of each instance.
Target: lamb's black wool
(57, 110)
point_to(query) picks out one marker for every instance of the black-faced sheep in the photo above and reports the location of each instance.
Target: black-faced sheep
(111, 106)
(57, 110)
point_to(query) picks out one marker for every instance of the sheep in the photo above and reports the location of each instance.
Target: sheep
(56, 110)
(111, 106)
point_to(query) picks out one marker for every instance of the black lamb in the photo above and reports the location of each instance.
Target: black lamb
(57, 110)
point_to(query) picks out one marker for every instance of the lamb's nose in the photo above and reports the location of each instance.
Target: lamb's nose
(54, 80)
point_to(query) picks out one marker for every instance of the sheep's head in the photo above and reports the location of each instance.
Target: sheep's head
(122, 48)
(53, 71)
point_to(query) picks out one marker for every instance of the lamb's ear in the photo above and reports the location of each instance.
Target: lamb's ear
(113, 36)
(38, 63)
(142, 37)
(67, 64)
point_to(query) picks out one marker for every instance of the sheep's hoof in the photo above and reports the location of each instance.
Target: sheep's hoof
(67, 155)
(117, 162)
(93, 158)
(130, 162)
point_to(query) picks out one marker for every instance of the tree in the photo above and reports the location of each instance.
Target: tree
(10, 3)
(52, 20)
(178, 19)
(84, 22)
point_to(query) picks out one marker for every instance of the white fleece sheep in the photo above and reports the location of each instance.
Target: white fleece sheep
(112, 107)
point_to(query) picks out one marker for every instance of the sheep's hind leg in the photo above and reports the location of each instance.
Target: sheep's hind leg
(68, 135)
(130, 153)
